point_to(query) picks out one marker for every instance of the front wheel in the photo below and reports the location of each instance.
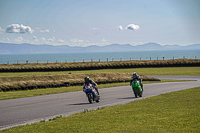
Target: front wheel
(89, 98)
(135, 92)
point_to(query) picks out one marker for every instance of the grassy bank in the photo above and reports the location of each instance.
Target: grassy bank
(33, 80)
(32, 67)
(171, 112)
(29, 82)
(144, 71)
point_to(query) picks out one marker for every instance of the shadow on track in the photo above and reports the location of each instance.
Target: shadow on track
(79, 104)
(127, 98)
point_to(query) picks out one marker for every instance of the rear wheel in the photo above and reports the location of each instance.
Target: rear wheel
(97, 100)
(141, 93)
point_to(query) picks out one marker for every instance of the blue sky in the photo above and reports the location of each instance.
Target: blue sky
(100, 22)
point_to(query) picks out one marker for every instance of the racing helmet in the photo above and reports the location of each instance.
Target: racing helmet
(87, 79)
(134, 75)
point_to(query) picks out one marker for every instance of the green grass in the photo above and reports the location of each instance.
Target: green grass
(171, 112)
(44, 78)
(96, 65)
(28, 79)
(37, 92)
(144, 71)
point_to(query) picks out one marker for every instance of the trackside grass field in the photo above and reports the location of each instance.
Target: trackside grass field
(31, 78)
(171, 112)
(17, 80)
(144, 71)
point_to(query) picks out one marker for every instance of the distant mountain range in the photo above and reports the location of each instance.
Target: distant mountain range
(9, 48)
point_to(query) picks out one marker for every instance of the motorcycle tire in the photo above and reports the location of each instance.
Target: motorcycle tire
(135, 92)
(97, 100)
(141, 93)
(89, 98)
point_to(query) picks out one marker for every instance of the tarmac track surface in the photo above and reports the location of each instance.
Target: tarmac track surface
(21, 111)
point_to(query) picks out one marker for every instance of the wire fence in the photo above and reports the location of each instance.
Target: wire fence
(92, 60)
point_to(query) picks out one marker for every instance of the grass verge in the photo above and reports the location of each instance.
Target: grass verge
(144, 71)
(30, 80)
(37, 92)
(171, 112)
(38, 82)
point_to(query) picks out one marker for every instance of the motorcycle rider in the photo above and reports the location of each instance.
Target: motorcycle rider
(135, 76)
(89, 81)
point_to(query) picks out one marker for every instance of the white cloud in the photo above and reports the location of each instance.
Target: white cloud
(133, 27)
(50, 39)
(43, 39)
(1, 30)
(103, 40)
(6, 39)
(19, 39)
(61, 41)
(37, 29)
(16, 28)
(34, 37)
(76, 40)
(53, 39)
(95, 29)
(45, 31)
(119, 27)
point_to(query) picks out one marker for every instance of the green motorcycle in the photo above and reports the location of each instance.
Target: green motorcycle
(137, 89)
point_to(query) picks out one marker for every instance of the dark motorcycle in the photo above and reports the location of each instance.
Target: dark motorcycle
(91, 93)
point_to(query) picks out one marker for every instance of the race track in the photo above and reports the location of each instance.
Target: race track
(20, 111)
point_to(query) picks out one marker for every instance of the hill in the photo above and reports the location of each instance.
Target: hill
(10, 48)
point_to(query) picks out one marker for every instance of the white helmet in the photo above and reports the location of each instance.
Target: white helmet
(134, 75)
